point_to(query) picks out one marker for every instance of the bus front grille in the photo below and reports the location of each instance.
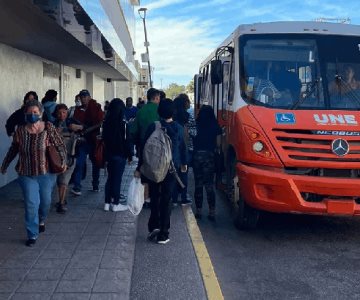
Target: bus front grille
(307, 145)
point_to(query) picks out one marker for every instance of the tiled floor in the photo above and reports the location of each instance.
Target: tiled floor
(85, 254)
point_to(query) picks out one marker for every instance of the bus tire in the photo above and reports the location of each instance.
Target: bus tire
(246, 217)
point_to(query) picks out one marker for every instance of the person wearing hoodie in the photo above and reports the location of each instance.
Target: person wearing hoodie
(49, 104)
(160, 193)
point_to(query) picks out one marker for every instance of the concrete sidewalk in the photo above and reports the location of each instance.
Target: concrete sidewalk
(85, 254)
(90, 254)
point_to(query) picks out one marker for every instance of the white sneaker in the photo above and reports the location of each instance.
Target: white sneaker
(119, 207)
(107, 207)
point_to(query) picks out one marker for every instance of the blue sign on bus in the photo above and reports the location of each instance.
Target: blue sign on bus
(285, 118)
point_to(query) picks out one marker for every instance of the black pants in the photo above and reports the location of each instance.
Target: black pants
(160, 196)
(204, 169)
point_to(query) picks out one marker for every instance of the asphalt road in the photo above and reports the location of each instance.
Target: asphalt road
(287, 257)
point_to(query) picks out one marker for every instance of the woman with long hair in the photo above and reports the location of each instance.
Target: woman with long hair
(206, 142)
(117, 150)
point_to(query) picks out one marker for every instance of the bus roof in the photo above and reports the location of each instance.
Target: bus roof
(301, 27)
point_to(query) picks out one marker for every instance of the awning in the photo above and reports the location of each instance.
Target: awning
(24, 26)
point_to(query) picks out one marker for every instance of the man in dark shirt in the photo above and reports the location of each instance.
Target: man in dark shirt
(18, 117)
(130, 110)
(90, 116)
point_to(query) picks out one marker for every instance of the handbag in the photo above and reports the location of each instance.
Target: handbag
(99, 153)
(56, 165)
(54, 159)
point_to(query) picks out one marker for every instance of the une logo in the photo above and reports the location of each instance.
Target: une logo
(335, 119)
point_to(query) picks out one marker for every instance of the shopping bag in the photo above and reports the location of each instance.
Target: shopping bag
(135, 198)
(99, 153)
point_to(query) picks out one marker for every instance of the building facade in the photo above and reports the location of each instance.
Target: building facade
(65, 45)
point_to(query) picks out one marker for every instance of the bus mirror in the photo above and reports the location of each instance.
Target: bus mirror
(216, 71)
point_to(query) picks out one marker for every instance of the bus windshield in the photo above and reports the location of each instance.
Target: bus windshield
(301, 71)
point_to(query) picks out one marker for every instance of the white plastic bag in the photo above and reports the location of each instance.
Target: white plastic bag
(135, 198)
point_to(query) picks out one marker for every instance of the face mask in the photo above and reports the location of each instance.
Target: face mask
(77, 103)
(32, 118)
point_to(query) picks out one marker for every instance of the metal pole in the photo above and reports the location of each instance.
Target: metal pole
(147, 50)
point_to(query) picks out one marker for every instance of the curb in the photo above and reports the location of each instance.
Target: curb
(211, 282)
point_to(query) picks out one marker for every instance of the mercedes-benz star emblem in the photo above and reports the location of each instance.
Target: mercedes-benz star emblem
(340, 147)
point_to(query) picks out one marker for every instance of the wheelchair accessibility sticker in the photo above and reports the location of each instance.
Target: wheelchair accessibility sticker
(285, 118)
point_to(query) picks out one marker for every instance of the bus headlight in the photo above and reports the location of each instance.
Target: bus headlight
(258, 146)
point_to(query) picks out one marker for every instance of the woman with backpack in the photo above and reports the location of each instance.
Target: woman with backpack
(206, 142)
(160, 191)
(117, 151)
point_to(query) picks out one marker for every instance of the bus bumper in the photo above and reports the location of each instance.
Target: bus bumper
(275, 191)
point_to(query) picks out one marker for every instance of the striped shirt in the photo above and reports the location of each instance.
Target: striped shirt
(32, 150)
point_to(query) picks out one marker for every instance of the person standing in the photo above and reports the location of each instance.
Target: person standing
(206, 142)
(147, 114)
(49, 104)
(17, 118)
(117, 151)
(182, 117)
(30, 143)
(144, 117)
(130, 110)
(62, 123)
(90, 116)
(160, 193)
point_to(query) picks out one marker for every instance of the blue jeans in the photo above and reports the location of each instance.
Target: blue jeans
(37, 192)
(82, 153)
(115, 168)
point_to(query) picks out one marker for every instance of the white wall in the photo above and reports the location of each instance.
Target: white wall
(72, 85)
(96, 86)
(19, 73)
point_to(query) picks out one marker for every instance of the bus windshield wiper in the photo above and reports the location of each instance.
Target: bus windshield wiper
(352, 95)
(311, 91)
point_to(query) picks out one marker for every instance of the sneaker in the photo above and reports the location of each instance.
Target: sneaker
(107, 207)
(30, 242)
(61, 209)
(42, 228)
(198, 216)
(76, 191)
(153, 234)
(162, 239)
(119, 207)
(95, 189)
(186, 202)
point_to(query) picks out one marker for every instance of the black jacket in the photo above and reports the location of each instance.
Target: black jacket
(16, 119)
(116, 141)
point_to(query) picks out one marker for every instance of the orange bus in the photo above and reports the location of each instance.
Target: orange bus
(287, 95)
